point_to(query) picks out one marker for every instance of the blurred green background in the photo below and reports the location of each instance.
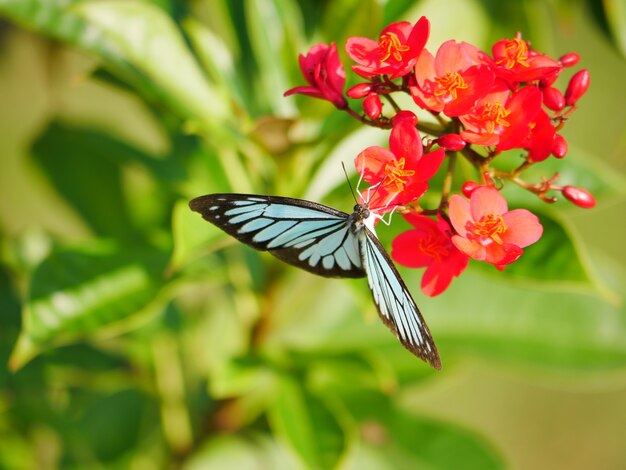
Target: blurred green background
(135, 335)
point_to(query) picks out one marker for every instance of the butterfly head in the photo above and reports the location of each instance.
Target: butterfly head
(361, 211)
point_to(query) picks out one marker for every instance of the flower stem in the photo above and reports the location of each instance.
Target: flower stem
(447, 183)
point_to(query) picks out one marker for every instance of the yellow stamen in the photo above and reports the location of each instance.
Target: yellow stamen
(494, 114)
(490, 226)
(390, 45)
(449, 84)
(396, 175)
(516, 53)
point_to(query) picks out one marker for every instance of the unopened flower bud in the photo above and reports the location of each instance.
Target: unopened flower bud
(372, 105)
(578, 196)
(553, 99)
(452, 142)
(404, 116)
(569, 60)
(546, 82)
(359, 91)
(559, 147)
(468, 188)
(577, 87)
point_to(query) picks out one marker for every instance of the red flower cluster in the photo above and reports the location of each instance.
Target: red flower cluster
(484, 104)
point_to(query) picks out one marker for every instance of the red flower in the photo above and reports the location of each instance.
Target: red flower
(428, 245)
(488, 231)
(502, 119)
(515, 62)
(395, 53)
(322, 68)
(540, 140)
(399, 174)
(453, 80)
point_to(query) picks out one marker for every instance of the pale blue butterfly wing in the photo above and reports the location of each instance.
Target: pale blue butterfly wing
(395, 304)
(327, 242)
(311, 236)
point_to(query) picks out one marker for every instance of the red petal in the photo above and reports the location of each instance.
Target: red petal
(502, 254)
(487, 200)
(541, 138)
(405, 249)
(370, 163)
(429, 164)
(479, 80)
(523, 228)
(363, 51)
(419, 36)
(459, 213)
(471, 248)
(405, 142)
(524, 106)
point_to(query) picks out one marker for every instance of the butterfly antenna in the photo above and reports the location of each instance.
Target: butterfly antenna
(345, 172)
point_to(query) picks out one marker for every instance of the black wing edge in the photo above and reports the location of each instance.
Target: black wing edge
(224, 201)
(432, 356)
(201, 204)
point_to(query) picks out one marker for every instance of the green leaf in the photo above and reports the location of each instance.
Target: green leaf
(224, 451)
(468, 23)
(70, 156)
(308, 426)
(58, 20)
(615, 13)
(406, 440)
(274, 48)
(159, 51)
(76, 292)
(558, 328)
(154, 58)
(111, 424)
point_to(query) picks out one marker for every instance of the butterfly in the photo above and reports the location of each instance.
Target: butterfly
(326, 242)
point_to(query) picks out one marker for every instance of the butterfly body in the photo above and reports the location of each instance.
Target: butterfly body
(326, 242)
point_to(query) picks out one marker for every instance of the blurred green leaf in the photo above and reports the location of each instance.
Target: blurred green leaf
(559, 328)
(111, 424)
(58, 20)
(191, 233)
(243, 453)
(50, 17)
(405, 440)
(615, 13)
(275, 49)
(75, 293)
(158, 50)
(67, 154)
(307, 425)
